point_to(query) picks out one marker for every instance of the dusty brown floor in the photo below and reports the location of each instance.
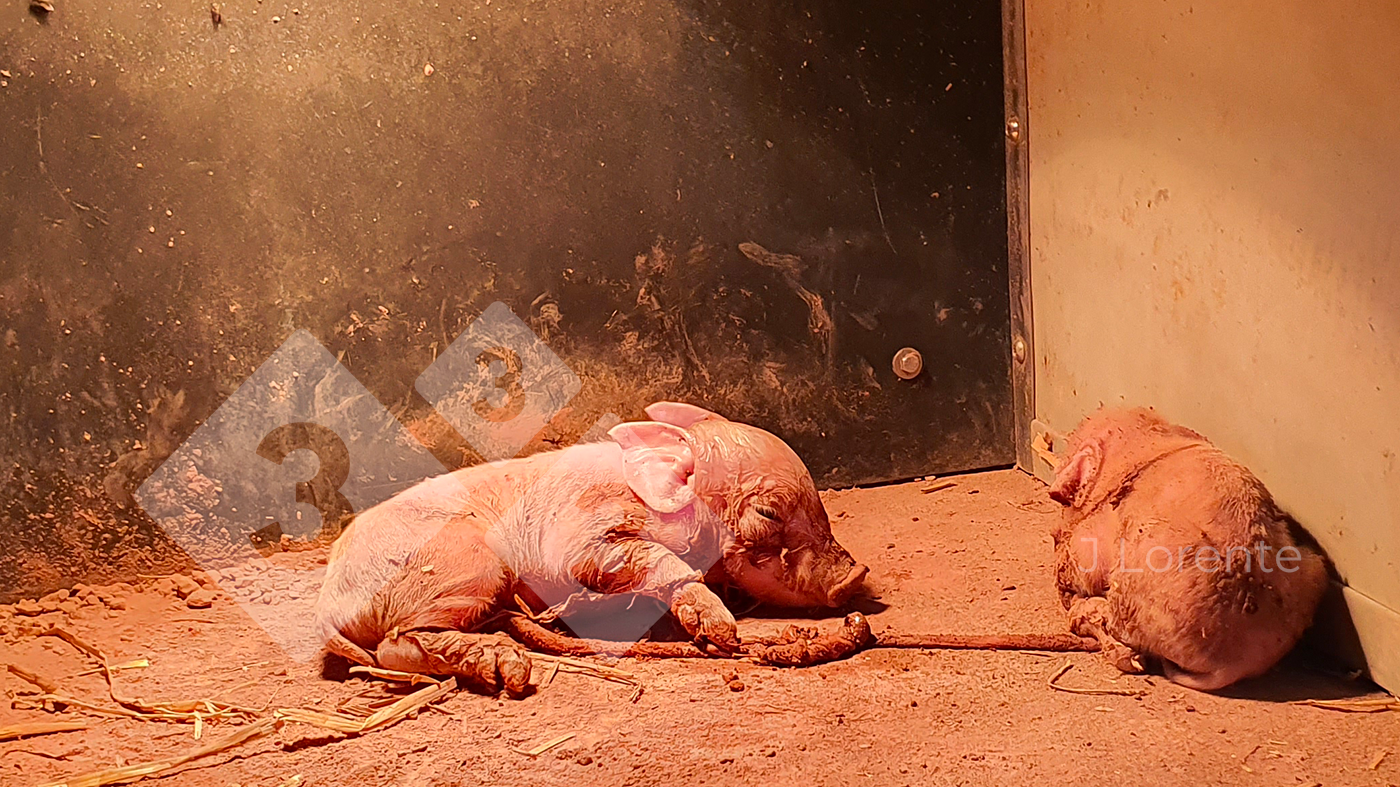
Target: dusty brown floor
(967, 559)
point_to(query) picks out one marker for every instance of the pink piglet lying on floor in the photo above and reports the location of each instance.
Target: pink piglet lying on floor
(649, 512)
(1170, 551)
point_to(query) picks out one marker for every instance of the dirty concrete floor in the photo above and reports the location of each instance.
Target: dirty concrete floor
(971, 558)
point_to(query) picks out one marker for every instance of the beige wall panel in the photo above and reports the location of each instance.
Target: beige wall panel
(1215, 231)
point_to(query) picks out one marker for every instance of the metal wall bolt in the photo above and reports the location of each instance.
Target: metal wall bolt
(1018, 350)
(908, 363)
(1013, 129)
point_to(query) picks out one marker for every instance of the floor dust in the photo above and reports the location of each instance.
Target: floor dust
(968, 558)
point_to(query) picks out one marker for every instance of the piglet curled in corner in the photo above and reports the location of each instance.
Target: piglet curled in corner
(1171, 553)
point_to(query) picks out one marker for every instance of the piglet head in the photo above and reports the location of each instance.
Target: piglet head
(1104, 449)
(778, 545)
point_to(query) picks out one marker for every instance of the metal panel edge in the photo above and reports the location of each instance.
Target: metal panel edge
(1018, 228)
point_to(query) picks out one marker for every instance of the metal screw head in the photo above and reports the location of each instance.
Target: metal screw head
(1013, 129)
(907, 363)
(1018, 350)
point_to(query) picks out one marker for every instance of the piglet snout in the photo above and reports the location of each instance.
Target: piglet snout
(843, 590)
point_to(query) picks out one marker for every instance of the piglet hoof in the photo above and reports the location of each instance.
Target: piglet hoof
(1123, 657)
(1089, 618)
(500, 663)
(704, 617)
(487, 663)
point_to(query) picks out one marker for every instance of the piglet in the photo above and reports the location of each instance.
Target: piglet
(1170, 552)
(658, 510)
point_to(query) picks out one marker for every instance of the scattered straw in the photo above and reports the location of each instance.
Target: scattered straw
(553, 671)
(1365, 705)
(588, 669)
(546, 746)
(46, 685)
(1059, 673)
(246, 667)
(199, 712)
(351, 725)
(182, 711)
(17, 731)
(133, 664)
(131, 773)
(411, 678)
(244, 685)
(1244, 761)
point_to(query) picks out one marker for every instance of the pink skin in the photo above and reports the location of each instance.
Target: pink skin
(779, 547)
(1151, 553)
(410, 579)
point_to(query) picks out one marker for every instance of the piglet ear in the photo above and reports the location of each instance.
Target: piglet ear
(657, 463)
(680, 414)
(1076, 475)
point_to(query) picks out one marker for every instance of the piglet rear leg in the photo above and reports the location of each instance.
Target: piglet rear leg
(487, 662)
(1089, 617)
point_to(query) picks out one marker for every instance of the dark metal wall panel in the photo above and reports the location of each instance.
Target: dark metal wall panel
(749, 206)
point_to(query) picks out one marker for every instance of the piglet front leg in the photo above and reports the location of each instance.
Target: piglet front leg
(634, 565)
(704, 616)
(1092, 617)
